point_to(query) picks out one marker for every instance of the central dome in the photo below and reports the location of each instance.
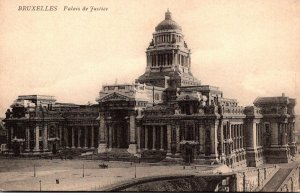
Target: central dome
(168, 23)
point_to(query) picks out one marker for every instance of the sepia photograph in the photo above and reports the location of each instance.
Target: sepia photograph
(150, 96)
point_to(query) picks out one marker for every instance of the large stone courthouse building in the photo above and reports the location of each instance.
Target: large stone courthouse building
(166, 110)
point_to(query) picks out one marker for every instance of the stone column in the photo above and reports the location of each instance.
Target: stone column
(118, 137)
(240, 136)
(8, 138)
(221, 139)
(235, 136)
(101, 134)
(110, 137)
(161, 138)
(166, 59)
(37, 135)
(113, 131)
(154, 137)
(177, 139)
(45, 138)
(202, 139)
(146, 137)
(251, 142)
(293, 128)
(251, 134)
(92, 137)
(196, 126)
(85, 137)
(214, 140)
(138, 136)
(169, 138)
(292, 145)
(66, 137)
(173, 57)
(27, 139)
(73, 137)
(78, 137)
(132, 127)
(257, 132)
(60, 136)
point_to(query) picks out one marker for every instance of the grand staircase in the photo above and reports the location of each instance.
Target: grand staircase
(116, 154)
(152, 156)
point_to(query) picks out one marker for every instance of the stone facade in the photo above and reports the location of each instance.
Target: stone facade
(166, 110)
(38, 124)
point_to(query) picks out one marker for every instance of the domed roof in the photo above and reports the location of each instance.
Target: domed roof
(168, 23)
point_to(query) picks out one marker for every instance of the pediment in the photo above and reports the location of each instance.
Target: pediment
(114, 97)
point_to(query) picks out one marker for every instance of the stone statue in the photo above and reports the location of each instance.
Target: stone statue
(8, 114)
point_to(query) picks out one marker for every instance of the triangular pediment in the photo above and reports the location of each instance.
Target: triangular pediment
(114, 97)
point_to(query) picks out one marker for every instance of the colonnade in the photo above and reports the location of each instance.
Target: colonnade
(157, 140)
(40, 133)
(236, 133)
(286, 133)
(259, 134)
(167, 38)
(167, 59)
(85, 137)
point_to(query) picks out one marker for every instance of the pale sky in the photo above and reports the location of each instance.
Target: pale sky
(246, 48)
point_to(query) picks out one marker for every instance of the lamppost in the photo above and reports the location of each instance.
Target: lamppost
(135, 170)
(34, 175)
(40, 185)
(83, 170)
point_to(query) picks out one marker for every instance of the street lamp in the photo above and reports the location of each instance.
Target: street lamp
(34, 175)
(135, 170)
(40, 185)
(83, 170)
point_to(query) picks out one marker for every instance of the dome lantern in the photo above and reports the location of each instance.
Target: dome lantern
(168, 23)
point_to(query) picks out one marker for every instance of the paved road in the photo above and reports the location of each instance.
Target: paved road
(276, 180)
(280, 175)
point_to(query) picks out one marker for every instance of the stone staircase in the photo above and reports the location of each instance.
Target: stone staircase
(152, 156)
(116, 154)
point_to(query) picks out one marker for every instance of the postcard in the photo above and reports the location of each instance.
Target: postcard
(149, 95)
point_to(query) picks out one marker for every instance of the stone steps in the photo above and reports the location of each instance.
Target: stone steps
(116, 155)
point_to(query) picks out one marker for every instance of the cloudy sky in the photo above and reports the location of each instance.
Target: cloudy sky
(247, 48)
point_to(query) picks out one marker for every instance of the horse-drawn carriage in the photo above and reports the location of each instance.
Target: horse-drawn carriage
(103, 166)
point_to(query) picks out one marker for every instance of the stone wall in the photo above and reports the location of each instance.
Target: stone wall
(291, 183)
(202, 183)
(253, 179)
